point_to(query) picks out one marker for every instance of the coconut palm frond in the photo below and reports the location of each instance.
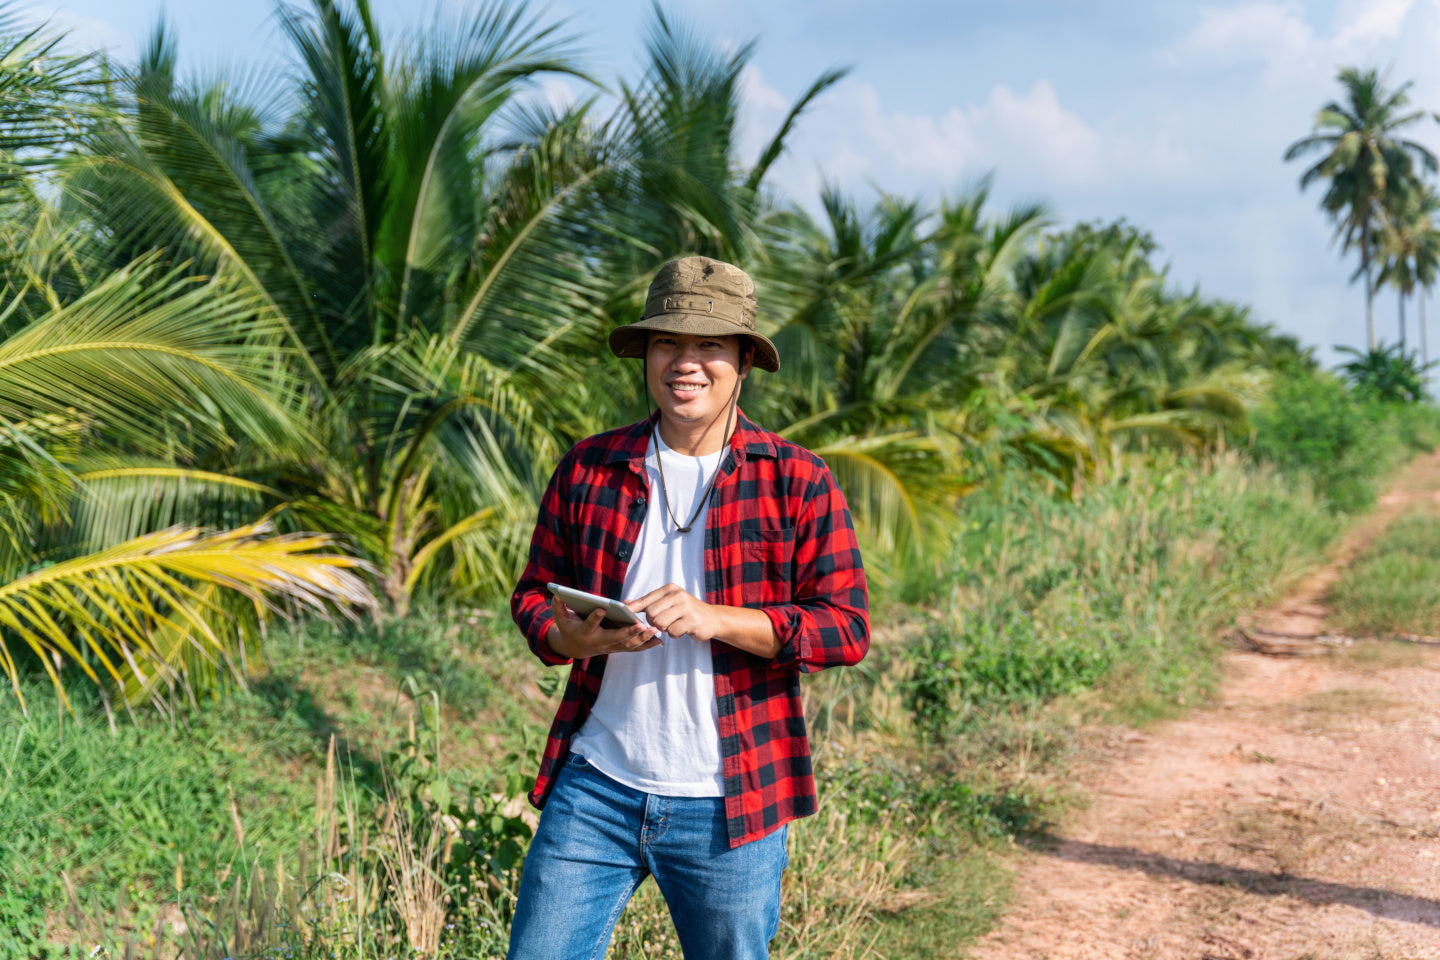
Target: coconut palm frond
(147, 353)
(102, 613)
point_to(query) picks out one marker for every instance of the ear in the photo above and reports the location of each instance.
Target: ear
(747, 358)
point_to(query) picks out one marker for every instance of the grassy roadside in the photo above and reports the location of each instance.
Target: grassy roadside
(951, 739)
(1392, 588)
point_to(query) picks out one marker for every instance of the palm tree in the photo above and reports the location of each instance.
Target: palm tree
(1410, 237)
(137, 362)
(439, 253)
(1422, 244)
(1363, 161)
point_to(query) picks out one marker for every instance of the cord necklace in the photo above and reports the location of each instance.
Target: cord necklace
(660, 466)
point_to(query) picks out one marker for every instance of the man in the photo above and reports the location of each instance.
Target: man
(679, 748)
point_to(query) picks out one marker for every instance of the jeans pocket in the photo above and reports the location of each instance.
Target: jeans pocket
(576, 762)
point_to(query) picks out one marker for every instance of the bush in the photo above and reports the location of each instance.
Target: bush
(1318, 431)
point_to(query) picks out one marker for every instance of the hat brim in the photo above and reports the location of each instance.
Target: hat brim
(629, 341)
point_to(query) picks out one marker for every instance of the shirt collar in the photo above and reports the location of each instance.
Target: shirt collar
(748, 440)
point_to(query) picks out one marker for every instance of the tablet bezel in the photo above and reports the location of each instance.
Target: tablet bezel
(582, 602)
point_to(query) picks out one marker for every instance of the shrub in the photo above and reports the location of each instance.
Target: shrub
(1318, 431)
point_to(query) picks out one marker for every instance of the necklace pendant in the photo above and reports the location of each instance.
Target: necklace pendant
(683, 529)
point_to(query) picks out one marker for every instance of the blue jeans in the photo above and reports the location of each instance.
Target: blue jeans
(599, 839)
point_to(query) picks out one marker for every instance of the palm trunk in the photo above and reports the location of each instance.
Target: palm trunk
(1369, 290)
(1424, 347)
(1402, 322)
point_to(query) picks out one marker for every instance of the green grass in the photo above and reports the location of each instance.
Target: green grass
(140, 815)
(1123, 593)
(1392, 589)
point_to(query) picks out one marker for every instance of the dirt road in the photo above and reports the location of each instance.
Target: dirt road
(1297, 818)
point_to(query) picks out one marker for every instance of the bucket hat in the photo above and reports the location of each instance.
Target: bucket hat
(701, 297)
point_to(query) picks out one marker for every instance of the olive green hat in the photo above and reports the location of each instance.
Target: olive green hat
(701, 297)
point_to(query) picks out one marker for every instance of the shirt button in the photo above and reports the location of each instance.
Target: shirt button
(623, 553)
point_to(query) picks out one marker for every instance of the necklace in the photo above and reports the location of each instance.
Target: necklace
(705, 497)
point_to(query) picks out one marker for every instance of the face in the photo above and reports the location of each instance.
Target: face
(693, 378)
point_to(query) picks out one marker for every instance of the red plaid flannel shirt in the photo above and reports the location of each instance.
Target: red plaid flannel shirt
(778, 537)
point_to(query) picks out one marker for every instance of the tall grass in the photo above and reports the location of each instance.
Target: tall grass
(1124, 591)
(140, 814)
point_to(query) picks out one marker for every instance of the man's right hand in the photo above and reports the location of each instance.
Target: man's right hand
(579, 637)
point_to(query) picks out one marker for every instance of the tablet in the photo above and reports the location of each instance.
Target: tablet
(616, 613)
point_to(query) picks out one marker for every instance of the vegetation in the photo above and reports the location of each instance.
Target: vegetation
(948, 741)
(1391, 590)
(293, 350)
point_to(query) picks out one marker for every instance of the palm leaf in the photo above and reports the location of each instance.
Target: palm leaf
(104, 611)
(146, 353)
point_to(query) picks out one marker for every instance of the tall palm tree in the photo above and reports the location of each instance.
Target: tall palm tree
(1410, 237)
(1363, 160)
(1423, 245)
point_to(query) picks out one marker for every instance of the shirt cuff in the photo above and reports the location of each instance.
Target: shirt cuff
(790, 631)
(542, 646)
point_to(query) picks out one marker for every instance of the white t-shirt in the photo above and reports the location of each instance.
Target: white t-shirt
(654, 725)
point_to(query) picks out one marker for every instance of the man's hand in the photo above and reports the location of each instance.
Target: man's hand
(680, 614)
(579, 637)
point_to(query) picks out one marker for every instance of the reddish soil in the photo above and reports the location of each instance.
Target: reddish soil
(1298, 817)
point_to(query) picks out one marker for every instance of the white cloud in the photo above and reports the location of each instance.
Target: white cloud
(1263, 32)
(88, 33)
(851, 135)
(1365, 22)
(557, 93)
(1036, 127)
(758, 94)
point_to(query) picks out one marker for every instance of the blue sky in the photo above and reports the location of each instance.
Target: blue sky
(1174, 115)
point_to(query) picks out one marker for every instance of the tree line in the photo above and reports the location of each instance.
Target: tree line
(369, 299)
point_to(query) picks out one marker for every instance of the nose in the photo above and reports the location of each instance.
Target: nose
(687, 357)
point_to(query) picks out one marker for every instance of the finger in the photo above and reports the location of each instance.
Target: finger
(661, 619)
(643, 641)
(640, 603)
(656, 595)
(593, 618)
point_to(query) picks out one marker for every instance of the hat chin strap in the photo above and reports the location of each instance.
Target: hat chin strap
(660, 466)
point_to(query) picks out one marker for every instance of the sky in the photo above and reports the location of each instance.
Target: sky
(1173, 115)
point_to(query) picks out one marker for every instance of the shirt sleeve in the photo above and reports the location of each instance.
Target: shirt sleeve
(827, 624)
(549, 561)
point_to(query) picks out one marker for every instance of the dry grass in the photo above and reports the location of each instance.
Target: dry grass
(1345, 707)
(1378, 655)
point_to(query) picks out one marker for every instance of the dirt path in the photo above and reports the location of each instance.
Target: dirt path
(1297, 818)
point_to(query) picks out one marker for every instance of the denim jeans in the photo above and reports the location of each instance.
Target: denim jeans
(599, 839)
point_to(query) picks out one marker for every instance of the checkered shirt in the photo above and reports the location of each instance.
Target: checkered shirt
(778, 537)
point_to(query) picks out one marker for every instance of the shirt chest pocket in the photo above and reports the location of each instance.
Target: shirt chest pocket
(767, 554)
